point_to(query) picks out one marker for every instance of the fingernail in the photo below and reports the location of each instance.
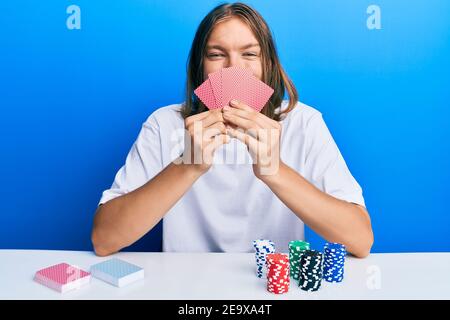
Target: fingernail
(234, 102)
(226, 108)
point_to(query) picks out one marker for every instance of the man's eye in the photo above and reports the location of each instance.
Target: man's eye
(214, 55)
(250, 54)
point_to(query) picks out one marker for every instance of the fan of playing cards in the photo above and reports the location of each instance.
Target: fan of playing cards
(233, 83)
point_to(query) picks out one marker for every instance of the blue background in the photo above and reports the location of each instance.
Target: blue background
(73, 101)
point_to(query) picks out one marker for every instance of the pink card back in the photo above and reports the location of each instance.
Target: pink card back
(257, 93)
(216, 84)
(205, 93)
(62, 273)
(243, 86)
(233, 79)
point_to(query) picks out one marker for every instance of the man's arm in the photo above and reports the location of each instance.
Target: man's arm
(334, 219)
(121, 221)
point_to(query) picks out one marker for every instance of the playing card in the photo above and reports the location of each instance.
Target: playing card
(216, 84)
(233, 83)
(232, 79)
(117, 272)
(206, 94)
(239, 85)
(62, 277)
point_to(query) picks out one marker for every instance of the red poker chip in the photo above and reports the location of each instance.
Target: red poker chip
(278, 279)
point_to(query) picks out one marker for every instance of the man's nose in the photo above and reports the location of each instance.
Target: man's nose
(235, 61)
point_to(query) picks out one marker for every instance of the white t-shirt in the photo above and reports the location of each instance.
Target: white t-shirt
(228, 207)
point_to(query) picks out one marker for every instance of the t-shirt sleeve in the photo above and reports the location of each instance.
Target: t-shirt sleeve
(325, 166)
(143, 162)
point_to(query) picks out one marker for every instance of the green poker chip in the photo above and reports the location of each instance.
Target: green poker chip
(296, 250)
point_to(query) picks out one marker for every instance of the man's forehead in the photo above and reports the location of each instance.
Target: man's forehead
(221, 46)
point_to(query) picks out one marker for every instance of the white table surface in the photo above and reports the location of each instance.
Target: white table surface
(214, 276)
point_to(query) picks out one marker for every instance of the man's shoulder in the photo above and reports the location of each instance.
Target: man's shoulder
(165, 115)
(301, 114)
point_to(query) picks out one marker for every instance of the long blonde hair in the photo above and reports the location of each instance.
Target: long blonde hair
(272, 74)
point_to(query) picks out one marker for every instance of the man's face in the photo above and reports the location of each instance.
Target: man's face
(230, 44)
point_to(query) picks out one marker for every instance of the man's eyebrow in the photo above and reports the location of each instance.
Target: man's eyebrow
(250, 45)
(216, 46)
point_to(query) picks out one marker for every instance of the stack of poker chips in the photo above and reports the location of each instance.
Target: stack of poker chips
(262, 248)
(277, 273)
(296, 249)
(311, 265)
(333, 268)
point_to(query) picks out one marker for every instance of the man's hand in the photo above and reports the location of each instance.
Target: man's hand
(205, 133)
(260, 133)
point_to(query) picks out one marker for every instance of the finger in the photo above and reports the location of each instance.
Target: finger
(197, 117)
(240, 122)
(252, 132)
(249, 115)
(197, 128)
(213, 130)
(250, 141)
(239, 105)
(219, 140)
(211, 147)
(214, 117)
(269, 136)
